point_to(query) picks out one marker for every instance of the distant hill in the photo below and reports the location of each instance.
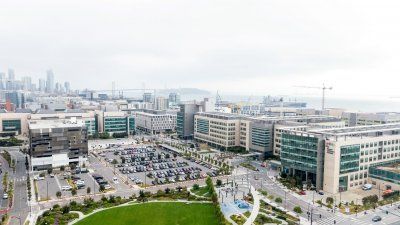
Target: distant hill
(183, 91)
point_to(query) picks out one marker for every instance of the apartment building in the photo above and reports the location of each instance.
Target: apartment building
(339, 159)
(155, 121)
(55, 143)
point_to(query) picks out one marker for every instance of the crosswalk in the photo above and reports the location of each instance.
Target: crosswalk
(341, 221)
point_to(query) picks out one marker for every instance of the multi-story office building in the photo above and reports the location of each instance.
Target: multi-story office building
(185, 116)
(50, 81)
(87, 117)
(161, 103)
(220, 130)
(255, 134)
(155, 121)
(115, 122)
(303, 123)
(15, 97)
(362, 119)
(339, 159)
(14, 124)
(185, 119)
(57, 143)
(148, 97)
(174, 98)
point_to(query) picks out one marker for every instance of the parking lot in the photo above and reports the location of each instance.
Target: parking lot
(49, 185)
(153, 166)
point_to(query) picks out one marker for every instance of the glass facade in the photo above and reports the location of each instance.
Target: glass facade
(260, 136)
(115, 124)
(299, 152)
(12, 125)
(131, 124)
(180, 121)
(90, 126)
(386, 175)
(203, 126)
(349, 158)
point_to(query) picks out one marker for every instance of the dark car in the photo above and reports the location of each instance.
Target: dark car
(376, 219)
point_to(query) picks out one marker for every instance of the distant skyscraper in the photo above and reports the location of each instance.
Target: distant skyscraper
(27, 83)
(67, 87)
(2, 81)
(50, 81)
(11, 74)
(42, 85)
(11, 79)
(148, 97)
(174, 98)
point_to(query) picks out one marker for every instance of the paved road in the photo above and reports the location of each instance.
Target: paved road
(20, 207)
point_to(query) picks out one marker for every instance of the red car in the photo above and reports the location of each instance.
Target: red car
(302, 193)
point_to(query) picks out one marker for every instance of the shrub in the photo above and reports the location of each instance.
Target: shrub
(278, 200)
(297, 209)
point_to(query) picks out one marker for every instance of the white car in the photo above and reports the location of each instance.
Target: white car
(5, 196)
(66, 188)
(107, 186)
(80, 182)
(115, 180)
(38, 178)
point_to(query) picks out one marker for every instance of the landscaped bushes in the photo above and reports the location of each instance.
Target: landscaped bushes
(56, 215)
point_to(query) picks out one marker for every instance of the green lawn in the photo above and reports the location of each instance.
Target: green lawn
(156, 213)
(202, 191)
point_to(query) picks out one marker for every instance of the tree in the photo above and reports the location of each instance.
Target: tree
(62, 168)
(278, 200)
(88, 190)
(167, 190)
(219, 182)
(73, 191)
(195, 187)
(297, 209)
(49, 170)
(102, 188)
(114, 162)
(329, 200)
(65, 209)
(58, 194)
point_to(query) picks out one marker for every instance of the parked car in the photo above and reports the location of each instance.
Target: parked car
(5, 196)
(66, 188)
(366, 187)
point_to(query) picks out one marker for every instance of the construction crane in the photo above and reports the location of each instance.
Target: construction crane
(323, 88)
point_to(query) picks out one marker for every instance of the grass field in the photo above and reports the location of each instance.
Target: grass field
(156, 213)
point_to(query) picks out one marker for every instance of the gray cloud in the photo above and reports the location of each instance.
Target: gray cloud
(205, 44)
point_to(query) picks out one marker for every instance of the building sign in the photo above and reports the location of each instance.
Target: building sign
(329, 147)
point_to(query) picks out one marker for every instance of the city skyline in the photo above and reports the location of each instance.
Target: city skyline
(262, 48)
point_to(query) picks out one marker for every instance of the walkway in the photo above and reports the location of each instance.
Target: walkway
(256, 206)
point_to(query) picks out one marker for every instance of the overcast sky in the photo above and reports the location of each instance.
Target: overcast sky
(245, 47)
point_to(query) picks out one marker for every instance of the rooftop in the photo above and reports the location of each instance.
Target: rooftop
(48, 124)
